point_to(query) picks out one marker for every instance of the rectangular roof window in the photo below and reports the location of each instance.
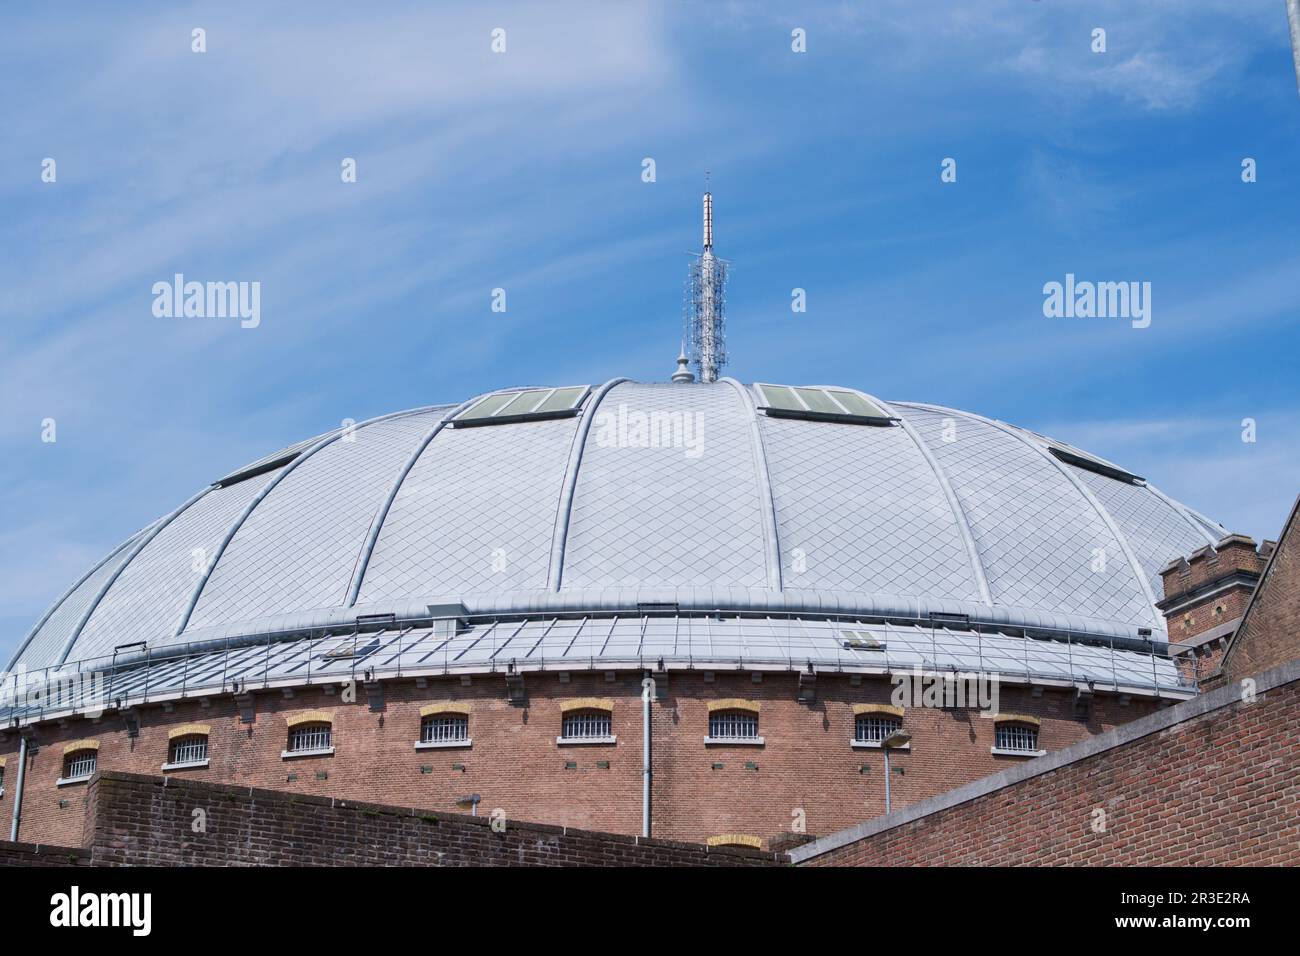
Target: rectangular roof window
(821, 404)
(489, 406)
(819, 401)
(523, 403)
(562, 398)
(271, 462)
(855, 404)
(531, 404)
(778, 396)
(1081, 459)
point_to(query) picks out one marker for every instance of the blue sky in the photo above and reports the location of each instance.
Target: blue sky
(522, 170)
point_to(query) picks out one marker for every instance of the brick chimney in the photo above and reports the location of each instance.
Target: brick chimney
(1206, 594)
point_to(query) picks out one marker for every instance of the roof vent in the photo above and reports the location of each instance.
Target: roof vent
(861, 641)
(657, 607)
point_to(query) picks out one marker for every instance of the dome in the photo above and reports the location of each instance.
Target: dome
(708, 497)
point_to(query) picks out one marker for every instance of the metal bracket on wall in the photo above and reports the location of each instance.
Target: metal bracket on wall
(247, 712)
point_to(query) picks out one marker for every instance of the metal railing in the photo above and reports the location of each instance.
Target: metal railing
(631, 638)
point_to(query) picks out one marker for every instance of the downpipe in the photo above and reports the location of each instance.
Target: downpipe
(647, 691)
(18, 794)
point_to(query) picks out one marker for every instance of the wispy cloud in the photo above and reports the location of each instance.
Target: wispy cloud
(1203, 461)
(523, 170)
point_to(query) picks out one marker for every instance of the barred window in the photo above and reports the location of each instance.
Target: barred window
(192, 748)
(733, 725)
(874, 728)
(444, 728)
(1017, 737)
(309, 737)
(586, 723)
(79, 764)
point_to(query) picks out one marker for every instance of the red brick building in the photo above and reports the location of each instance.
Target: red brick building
(694, 610)
(1212, 781)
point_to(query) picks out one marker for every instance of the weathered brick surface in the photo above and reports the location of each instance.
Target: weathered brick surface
(1271, 631)
(806, 765)
(1231, 553)
(32, 854)
(143, 820)
(1218, 788)
(1211, 587)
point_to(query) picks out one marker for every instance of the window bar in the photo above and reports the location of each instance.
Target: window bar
(445, 728)
(733, 725)
(586, 724)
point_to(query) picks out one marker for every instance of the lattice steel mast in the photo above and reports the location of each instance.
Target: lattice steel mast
(706, 306)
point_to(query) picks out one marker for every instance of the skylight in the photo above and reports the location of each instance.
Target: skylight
(821, 404)
(269, 463)
(861, 641)
(1081, 459)
(532, 404)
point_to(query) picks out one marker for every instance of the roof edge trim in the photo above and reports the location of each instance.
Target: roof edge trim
(266, 489)
(958, 510)
(560, 533)
(58, 603)
(377, 520)
(112, 578)
(767, 506)
(1121, 539)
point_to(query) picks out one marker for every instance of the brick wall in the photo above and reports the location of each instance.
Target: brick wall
(1205, 592)
(32, 854)
(1270, 633)
(1212, 781)
(806, 770)
(137, 820)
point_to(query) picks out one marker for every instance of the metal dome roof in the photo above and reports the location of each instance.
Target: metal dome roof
(939, 512)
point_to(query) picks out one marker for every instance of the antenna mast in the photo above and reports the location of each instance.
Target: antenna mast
(706, 306)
